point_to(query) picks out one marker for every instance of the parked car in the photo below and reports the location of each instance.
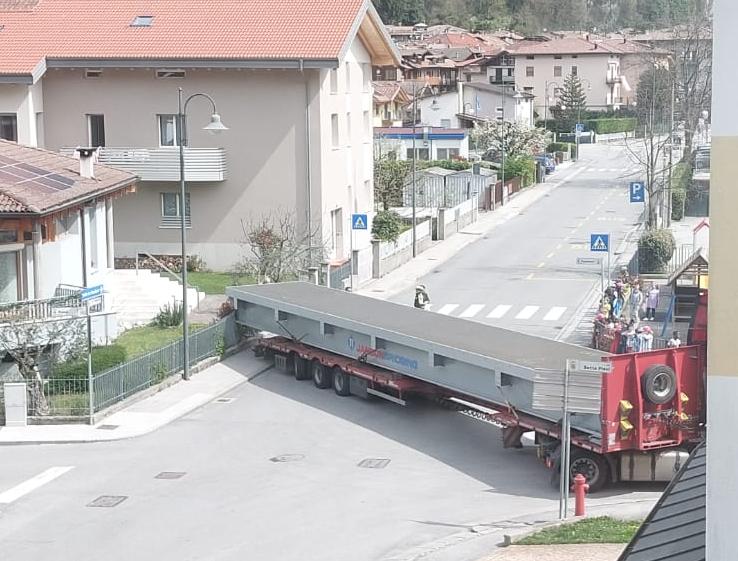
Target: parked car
(548, 162)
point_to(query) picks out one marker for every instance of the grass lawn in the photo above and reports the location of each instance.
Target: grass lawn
(141, 340)
(215, 283)
(590, 530)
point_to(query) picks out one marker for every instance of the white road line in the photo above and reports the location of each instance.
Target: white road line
(527, 312)
(601, 170)
(447, 309)
(554, 313)
(15, 493)
(499, 311)
(471, 311)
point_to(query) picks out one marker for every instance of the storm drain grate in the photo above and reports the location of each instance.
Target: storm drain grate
(170, 475)
(225, 400)
(107, 427)
(108, 501)
(374, 463)
(287, 458)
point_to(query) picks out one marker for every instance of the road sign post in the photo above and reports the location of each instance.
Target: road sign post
(600, 243)
(358, 222)
(91, 296)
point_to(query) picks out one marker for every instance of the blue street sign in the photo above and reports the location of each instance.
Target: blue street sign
(599, 242)
(580, 128)
(91, 292)
(637, 192)
(359, 222)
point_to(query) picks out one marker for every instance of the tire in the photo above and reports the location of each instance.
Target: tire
(321, 376)
(300, 368)
(341, 382)
(659, 384)
(592, 466)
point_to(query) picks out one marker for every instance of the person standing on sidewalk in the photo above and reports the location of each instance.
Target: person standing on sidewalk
(422, 300)
(636, 299)
(652, 302)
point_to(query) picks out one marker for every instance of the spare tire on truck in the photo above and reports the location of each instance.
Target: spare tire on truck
(659, 384)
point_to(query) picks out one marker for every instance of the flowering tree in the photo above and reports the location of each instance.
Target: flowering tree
(517, 140)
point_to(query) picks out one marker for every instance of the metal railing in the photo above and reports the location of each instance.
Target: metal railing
(170, 272)
(28, 310)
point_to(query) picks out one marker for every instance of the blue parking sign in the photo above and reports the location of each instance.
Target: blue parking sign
(637, 192)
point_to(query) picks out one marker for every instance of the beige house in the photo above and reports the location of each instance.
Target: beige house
(295, 92)
(390, 101)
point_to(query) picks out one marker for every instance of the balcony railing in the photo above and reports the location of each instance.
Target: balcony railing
(614, 79)
(162, 164)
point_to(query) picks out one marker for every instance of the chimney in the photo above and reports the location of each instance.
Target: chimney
(87, 158)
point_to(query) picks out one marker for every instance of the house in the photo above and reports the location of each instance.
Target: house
(431, 143)
(389, 102)
(56, 220)
(544, 65)
(293, 86)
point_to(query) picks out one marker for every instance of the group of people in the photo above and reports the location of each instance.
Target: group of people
(622, 308)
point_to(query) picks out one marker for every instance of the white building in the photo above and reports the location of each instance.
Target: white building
(431, 143)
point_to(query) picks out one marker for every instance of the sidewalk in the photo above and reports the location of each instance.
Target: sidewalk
(578, 552)
(148, 414)
(407, 275)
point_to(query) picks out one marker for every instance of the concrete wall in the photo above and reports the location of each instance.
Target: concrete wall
(451, 220)
(592, 67)
(446, 108)
(387, 256)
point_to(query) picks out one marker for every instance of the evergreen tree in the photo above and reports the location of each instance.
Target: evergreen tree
(572, 103)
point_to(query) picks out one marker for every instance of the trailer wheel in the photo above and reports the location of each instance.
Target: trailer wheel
(592, 466)
(300, 368)
(659, 384)
(341, 382)
(321, 376)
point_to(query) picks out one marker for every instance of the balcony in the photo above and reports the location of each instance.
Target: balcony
(614, 79)
(162, 164)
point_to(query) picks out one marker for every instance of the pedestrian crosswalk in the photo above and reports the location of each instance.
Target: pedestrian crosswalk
(619, 171)
(501, 311)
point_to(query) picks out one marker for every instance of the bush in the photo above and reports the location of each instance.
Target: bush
(387, 226)
(655, 249)
(681, 176)
(71, 376)
(195, 264)
(609, 126)
(678, 197)
(454, 165)
(170, 315)
(523, 167)
(558, 147)
(225, 309)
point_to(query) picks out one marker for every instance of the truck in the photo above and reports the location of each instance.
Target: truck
(650, 405)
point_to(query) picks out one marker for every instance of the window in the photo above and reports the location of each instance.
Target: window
(574, 56)
(9, 127)
(528, 88)
(142, 21)
(168, 130)
(557, 71)
(170, 74)
(334, 131)
(422, 153)
(530, 71)
(574, 71)
(171, 208)
(348, 129)
(334, 80)
(530, 57)
(93, 73)
(348, 77)
(557, 57)
(96, 130)
(446, 123)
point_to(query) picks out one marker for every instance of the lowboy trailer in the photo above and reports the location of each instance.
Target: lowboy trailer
(651, 403)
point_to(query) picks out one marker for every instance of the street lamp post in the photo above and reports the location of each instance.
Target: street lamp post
(471, 112)
(545, 103)
(215, 126)
(501, 119)
(415, 119)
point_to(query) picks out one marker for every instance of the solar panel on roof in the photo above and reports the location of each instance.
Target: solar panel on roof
(33, 169)
(68, 181)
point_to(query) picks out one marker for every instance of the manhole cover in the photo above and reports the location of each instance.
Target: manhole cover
(170, 475)
(108, 501)
(225, 400)
(107, 427)
(374, 463)
(287, 458)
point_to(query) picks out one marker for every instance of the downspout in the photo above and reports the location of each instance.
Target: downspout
(308, 176)
(83, 235)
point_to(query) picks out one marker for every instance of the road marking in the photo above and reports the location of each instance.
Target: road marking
(447, 309)
(529, 277)
(499, 311)
(527, 312)
(471, 311)
(541, 265)
(558, 246)
(15, 493)
(554, 313)
(550, 255)
(601, 170)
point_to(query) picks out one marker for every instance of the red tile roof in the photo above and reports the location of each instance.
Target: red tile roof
(61, 185)
(567, 46)
(180, 29)
(384, 92)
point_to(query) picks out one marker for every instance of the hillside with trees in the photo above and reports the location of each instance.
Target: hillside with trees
(530, 16)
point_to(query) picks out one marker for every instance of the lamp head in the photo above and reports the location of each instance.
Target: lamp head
(215, 125)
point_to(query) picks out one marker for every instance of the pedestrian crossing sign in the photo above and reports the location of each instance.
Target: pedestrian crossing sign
(359, 222)
(599, 242)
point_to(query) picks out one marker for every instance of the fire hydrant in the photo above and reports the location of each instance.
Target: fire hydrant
(579, 487)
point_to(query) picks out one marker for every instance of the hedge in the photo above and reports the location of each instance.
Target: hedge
(681, 176)
(655, 249)
(609, 126)
(523, 167)
(454, 165)
(71, 376)
(558, 147)
(387, 226)
(678, 197)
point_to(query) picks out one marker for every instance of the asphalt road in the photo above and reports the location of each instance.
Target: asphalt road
(276, 474)
(524, 276)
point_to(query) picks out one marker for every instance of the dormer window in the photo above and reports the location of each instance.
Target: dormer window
(142, 21)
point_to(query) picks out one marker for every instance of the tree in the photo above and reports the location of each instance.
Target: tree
(518, 140)
(390, 176)
(654, 92)
(571, 104)
(276, 249)
(33, 342)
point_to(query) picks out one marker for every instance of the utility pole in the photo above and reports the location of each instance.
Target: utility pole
(415, 115)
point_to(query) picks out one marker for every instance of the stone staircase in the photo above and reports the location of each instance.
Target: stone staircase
(137, 296)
